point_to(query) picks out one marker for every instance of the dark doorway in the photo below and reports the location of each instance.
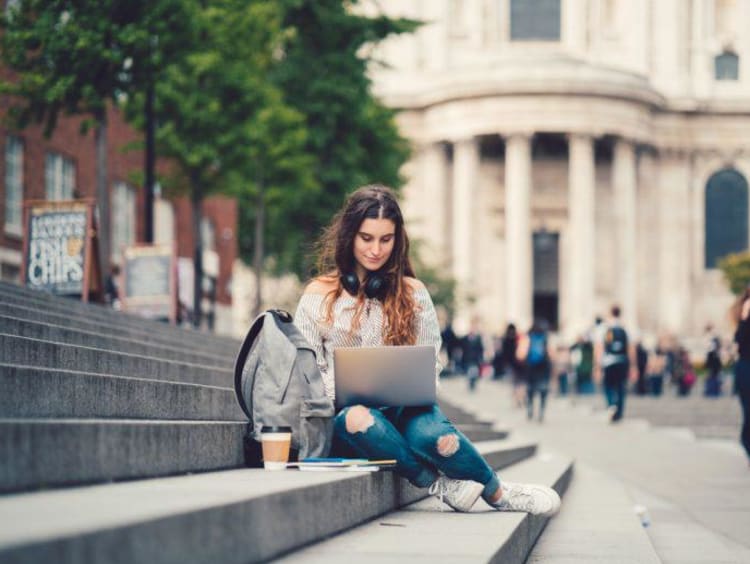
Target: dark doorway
(546, 270)
(726, 215)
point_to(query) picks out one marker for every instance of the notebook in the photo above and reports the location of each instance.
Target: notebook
(385, 376)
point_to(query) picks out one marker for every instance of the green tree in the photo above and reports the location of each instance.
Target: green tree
(77, 58)
(352, 136)
(224, 124)
(442, 287)
(736, 270)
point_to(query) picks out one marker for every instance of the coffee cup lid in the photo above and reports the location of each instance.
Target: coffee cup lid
(275, 429)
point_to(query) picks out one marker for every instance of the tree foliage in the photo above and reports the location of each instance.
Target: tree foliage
(736, 270)
(75, 57)
(352, 137)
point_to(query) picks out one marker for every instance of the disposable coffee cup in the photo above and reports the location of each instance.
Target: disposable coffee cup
(275, 441)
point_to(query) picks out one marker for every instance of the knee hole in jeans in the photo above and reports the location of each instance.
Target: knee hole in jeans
(358, 419)
(447, 445)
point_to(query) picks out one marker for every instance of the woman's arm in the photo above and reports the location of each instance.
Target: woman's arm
(306, 319)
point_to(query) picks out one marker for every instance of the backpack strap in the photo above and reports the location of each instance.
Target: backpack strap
(280, 316)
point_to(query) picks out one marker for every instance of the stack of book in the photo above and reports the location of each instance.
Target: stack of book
(341, 464)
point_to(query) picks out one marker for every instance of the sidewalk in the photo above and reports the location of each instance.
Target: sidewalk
(697, 493)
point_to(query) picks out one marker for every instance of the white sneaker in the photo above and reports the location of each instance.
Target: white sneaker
(461, 495)
(532, 498)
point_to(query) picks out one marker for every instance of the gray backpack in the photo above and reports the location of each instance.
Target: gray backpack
(277, 382)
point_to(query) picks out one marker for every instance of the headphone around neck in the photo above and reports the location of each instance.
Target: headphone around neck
(376, 285)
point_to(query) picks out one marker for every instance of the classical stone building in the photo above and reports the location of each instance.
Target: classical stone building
(569, 154)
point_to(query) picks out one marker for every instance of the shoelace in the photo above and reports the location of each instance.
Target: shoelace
(517, 498)
(440, 488)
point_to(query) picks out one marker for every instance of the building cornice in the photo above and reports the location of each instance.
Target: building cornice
(538, 75)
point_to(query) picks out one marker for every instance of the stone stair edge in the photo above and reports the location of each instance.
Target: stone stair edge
(101, 313)
(422, 531)
(369, 495)
(143, 327)
(124, 355)
(53, 453)
(70, 336)
(113, 376)
(30, 391)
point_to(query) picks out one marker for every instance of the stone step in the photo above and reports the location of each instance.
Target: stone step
(39, 453)
(460, 416)
(597, 515)
(422, 533)
(59, 334)
(480, 432)
(15, 295)
(27, 392)
(199, 342)
(22, 351)
(231, 516)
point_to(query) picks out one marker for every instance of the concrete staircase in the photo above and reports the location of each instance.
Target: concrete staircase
(121, 441)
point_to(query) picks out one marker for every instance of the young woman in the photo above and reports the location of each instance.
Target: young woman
(368, 296)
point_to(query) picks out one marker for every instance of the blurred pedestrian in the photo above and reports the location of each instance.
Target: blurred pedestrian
(473, 354)
(742, 366)
(713, 363)
(112, 287)
(451, 343)
(563, 369)
(641, 359)
(614, 358)
(535, 352)
(513, 366)
(498, 361)
(582, 359)
(685, 373)
(655, 372)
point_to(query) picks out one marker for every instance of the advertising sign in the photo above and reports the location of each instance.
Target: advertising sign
(149, 287)
(58, 248)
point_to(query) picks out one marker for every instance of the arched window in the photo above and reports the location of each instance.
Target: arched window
(727, 66)
(535, 20)
(726, 215)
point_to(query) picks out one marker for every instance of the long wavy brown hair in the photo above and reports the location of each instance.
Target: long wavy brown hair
(336, 257)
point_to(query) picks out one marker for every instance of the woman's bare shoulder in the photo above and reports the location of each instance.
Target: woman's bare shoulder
(414, 283)
(321, 285)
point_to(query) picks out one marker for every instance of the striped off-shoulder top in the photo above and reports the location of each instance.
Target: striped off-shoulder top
(324, 338)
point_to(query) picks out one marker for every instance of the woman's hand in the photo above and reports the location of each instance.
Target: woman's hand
(745, 309)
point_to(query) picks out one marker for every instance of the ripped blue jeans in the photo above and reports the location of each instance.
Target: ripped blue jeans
(421, 439)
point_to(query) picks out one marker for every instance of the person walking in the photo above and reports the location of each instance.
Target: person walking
(614, 359)
(366, 295)
(537, 356)
(713, 363)
(451, 344)
(742, 366)
(473, 354)
(512, 364)
(582, 359)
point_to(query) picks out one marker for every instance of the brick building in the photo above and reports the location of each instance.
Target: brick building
(63, 167)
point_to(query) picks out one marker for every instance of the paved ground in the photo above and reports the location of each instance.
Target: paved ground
(696, 492)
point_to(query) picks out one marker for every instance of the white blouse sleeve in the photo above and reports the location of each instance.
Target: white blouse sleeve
(428, 327)
(306, 319)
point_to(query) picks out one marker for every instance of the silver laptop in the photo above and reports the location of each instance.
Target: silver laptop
(385, 376)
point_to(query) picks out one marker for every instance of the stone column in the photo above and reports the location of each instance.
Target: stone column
(518, 229)
(465, 178)
(434, 225)
(581, 229)
(624, 184)
(674, 245)
(575, 22)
